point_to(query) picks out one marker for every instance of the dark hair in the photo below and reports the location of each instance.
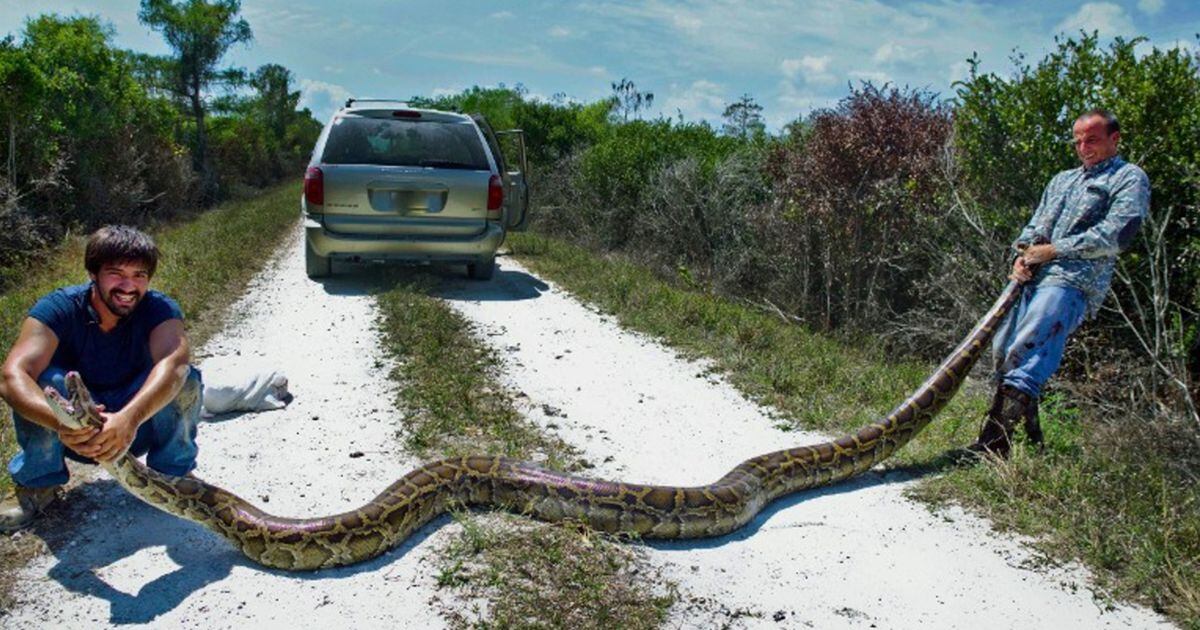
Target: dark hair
(1110, 120)
(118, 244)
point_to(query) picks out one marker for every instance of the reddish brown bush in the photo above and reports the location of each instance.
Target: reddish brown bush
(854, 189)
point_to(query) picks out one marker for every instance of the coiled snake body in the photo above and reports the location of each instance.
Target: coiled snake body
(610, 506)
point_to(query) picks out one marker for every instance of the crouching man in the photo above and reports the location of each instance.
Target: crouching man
(129, 345)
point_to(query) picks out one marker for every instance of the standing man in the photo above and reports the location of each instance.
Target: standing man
(129, 345)
(1065, 259)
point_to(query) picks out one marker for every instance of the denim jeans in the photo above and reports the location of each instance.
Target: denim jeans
(1028, 346)
(168, 438)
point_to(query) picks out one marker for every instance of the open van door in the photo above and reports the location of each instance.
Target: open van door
(516, 182)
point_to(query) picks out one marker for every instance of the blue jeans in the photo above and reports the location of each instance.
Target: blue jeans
(168, 438)
(1028, 346)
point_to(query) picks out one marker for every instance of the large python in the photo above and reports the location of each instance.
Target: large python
(610, 506)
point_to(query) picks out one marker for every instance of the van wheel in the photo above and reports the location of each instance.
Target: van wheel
(483, 270)
(315, 266)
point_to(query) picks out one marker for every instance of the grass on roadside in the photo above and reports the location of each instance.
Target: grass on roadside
(526, 574)
(450, 382)
(1124, 502)
(518, 574)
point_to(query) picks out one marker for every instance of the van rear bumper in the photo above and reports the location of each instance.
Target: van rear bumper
(477, 247)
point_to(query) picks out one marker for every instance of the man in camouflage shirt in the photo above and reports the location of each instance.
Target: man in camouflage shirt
(1064, 258)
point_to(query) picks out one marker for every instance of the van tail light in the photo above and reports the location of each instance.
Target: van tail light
(495, 197)
(314, 186)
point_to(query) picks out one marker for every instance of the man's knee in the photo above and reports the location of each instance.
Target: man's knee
(53, 376)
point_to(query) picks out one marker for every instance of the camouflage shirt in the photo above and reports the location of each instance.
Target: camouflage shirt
(1090, 215)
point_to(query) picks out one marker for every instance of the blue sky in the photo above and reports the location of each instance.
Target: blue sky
(696, 57)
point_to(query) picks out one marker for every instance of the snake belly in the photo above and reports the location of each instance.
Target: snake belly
(650, 511)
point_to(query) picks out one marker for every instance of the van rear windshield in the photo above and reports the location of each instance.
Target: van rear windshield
(388, 142)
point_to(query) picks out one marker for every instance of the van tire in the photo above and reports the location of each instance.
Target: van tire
(316, 266)
(483, 270)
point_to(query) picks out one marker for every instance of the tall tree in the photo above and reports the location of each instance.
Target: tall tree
(276, 100)
(627, 99)
(20, 89)
(200, 33)
(743, 118)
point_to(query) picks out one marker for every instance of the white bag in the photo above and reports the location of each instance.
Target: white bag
(235, 389)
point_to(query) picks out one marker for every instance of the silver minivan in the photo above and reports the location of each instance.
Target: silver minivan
(388, 182)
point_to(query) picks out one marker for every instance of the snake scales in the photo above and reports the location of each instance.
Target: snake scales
(610, 506)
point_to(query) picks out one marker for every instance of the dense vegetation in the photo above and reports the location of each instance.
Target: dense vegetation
(91, 134)
(892, 211)
(888, 217)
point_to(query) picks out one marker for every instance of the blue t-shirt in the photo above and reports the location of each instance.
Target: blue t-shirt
(105, 360)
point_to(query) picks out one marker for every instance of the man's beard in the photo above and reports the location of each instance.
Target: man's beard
(118, 308)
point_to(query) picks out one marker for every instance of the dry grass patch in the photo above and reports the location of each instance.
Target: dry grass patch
(513, 573)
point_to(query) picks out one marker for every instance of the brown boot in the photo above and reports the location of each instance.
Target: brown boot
(24, 505)
(1008, 406)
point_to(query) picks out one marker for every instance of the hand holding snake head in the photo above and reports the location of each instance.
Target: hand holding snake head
(80, 411)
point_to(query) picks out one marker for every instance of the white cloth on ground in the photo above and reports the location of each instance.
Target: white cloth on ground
(244, 389)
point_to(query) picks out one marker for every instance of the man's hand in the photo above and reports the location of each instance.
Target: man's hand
(1021, 272)
(112, 440)
(77, 440)
(1038, 254)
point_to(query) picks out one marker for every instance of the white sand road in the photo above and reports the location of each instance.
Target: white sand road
(858, 555)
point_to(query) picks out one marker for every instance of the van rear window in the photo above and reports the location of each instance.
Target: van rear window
(391, 142)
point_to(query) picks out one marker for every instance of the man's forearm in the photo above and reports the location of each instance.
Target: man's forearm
(162, 385)
(26, 398)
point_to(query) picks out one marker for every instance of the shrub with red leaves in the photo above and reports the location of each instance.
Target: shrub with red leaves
(853, 188)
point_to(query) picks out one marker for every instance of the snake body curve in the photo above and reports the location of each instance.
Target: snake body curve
(650, 511)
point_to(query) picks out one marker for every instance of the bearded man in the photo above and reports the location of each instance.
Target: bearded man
(129, 345)
(1065, 258)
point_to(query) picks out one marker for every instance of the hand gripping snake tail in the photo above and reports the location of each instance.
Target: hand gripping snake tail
(296, 544)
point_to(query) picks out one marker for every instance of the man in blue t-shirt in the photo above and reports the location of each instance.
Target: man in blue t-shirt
(129, 345)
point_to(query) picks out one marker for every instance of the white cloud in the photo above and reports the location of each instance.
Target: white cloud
(560, 32)
(1106, 17)
(1151, 6)
(686, 22)
(812, 68)
(321, 97)
(703, 99)
(501, 15)
(892, 52)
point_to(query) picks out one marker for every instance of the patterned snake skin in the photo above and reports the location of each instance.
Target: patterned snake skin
(486, 481)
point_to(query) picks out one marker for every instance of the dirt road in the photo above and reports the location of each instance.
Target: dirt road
(858, 555)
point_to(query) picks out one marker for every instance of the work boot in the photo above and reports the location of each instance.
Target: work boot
(1033, 428)
(19, 510)
(1008, 406)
